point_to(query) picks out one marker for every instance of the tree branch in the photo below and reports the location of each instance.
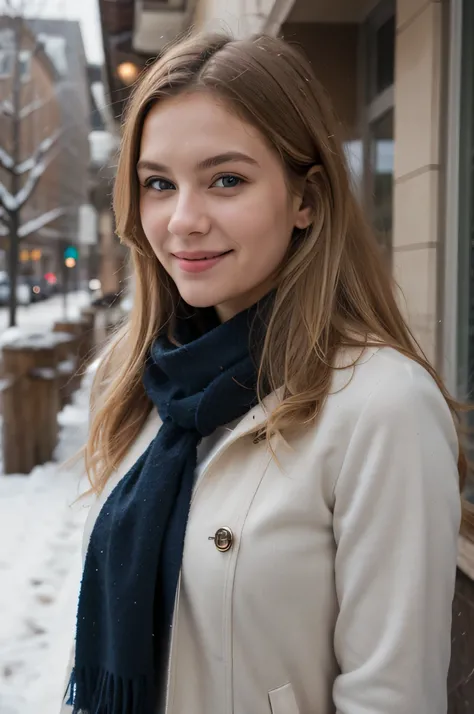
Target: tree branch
(4, 216)
(32, 107)
(6, 108)
(4, 225)
(9, 6)
(40, 221)
(4, 222)
(37, 167)
(6, 161)
(7, 201)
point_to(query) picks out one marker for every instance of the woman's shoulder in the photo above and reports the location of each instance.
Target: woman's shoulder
(385, 383)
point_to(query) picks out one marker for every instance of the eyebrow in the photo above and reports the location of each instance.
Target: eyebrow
(209, 163)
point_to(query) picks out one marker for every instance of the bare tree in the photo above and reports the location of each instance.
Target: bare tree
(24, 174)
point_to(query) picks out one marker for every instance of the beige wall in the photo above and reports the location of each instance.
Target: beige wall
(417, 164)
(332, 50)
(331, 10)
(235, 16)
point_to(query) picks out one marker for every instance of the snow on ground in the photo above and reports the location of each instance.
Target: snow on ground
(41, 525)
(41, 315)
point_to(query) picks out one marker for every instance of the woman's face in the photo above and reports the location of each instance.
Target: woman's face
(214, 203)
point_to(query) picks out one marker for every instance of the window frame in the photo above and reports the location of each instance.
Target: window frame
(25, 56)
(6, 54)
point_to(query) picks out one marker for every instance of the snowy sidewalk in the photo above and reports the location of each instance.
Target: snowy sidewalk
(40, 565)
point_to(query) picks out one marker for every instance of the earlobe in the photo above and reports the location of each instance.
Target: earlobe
(304, 218)
(305, 212)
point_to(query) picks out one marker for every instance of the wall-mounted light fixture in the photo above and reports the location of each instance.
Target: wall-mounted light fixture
(128, 72)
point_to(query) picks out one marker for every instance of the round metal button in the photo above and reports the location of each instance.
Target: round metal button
(223, 539)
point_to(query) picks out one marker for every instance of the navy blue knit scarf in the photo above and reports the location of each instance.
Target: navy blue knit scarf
(134, 557)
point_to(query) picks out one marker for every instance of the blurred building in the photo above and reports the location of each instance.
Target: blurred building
(38, 119)
(62, 41)
(54, 118)
(394, 68)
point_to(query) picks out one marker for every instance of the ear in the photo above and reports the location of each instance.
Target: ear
(304, 215)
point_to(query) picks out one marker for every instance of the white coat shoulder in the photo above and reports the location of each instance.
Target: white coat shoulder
(396, 517)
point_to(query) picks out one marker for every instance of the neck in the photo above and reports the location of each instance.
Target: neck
(229, 309)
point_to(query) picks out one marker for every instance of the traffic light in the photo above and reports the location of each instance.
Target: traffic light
(71, 255)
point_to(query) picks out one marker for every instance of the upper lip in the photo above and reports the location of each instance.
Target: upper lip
(199, 254)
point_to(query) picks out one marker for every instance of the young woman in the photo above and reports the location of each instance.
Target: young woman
(275, 462)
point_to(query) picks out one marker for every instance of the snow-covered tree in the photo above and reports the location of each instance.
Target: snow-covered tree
(20, 176)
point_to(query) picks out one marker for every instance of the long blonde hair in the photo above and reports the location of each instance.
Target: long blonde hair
(334, 288)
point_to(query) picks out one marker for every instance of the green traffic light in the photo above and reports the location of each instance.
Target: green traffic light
(71, 252)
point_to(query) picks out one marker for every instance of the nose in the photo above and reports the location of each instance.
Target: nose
(189, 215)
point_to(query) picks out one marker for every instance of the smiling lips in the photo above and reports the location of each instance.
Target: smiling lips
(198, 261)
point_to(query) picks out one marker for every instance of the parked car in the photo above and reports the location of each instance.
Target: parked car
(23, 291)
(39, 287)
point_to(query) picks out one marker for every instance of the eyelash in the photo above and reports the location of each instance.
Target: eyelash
(154, 179)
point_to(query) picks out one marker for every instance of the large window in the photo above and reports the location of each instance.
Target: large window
(379, 54)
(381, 171)
(6, 63)
(465, 333)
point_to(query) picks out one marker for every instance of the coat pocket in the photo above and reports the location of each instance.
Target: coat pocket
(283, 701)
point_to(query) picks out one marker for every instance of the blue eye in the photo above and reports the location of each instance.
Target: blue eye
(159, 185)
(228, 181)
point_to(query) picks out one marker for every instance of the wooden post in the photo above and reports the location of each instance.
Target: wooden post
(89, 313)
(47, 405)
(83, 331)
(31, 402)
(67, 369)
(18, 448)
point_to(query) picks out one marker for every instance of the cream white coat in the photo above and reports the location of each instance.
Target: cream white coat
(336, 595)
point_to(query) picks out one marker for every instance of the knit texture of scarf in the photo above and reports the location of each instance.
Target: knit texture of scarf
(134, 556)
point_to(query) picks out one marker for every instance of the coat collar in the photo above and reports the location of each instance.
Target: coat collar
(347, 360)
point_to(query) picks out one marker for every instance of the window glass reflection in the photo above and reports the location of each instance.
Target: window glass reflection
(385, 55)
(382, 165)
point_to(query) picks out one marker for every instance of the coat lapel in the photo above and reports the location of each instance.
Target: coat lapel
(251, 422)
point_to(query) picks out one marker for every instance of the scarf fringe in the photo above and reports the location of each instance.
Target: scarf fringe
(94, 691)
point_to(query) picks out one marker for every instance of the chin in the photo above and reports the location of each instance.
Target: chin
(202, 298)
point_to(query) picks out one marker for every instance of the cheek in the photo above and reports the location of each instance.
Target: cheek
(154, 224)
(264, 225)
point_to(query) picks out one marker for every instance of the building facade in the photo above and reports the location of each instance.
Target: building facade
(54, 103)
(62, 42)
(37, 119)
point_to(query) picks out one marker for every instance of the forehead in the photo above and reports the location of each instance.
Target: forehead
(196, 124)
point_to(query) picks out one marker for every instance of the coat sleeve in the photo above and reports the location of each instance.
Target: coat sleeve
(396, 522)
